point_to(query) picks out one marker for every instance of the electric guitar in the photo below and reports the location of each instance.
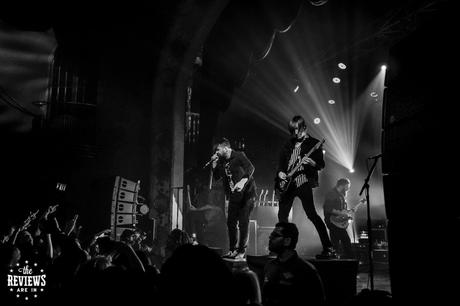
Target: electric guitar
(342, 221)
(281, 186)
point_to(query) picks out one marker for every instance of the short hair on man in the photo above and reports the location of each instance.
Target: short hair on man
(289, 230)
(126, 234)
(343, 182)
(297, 122)
(224, 142)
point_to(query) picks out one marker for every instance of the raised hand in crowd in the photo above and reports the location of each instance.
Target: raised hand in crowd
(101, 234)
(48, 224)
(50, 210)
(24, 226)
(71, 225)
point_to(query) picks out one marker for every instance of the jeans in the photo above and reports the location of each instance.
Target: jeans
(305, 194)
(340, 238)
(240, 207)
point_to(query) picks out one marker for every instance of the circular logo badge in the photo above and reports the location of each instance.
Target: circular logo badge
(26, 280)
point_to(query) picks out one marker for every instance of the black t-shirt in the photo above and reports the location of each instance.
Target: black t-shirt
(293, 282)
(333, 200)
(235, 168)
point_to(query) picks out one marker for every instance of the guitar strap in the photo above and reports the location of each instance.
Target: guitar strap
(228, 174)
(344, 203)
(295, 155)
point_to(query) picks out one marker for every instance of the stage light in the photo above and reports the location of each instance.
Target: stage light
(144, 209)
(384, 67)
(296, 89)
(352, 170)
(316, 120)
(336, 80)
(331, 102)
(342, 66)
(324, 152)
(373, 94)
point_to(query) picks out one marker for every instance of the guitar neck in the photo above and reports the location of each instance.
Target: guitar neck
(357, 206)
(315, 147)
(291, 173)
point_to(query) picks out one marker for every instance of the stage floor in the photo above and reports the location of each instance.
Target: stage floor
(381, 278)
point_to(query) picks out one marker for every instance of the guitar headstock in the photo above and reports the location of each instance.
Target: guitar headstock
(361, 202)
(356, 206)
(319, 144)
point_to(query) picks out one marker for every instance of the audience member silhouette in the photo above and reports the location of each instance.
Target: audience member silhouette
(196, 275)
(289, 280)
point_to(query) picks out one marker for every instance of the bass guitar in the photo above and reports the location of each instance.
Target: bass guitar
(282, 185)
(342, 221)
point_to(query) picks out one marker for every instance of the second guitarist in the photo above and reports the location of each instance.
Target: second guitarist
(303, 180)
(335, 206)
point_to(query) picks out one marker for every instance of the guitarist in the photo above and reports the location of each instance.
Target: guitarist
(335, 205)
(237, 172)
(303, 180)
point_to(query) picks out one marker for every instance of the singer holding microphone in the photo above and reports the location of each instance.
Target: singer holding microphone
(240, 190)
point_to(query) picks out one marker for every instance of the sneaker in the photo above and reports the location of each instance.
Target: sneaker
(328, 253)
(230, 254)
(240, 256)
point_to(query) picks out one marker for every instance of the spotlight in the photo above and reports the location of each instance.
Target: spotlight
(144, 209)
(324, 152)
(373, 94)
(316, 121)
(352, 170)
(296, 88)
(342, 66)
(384, 67)
(336, 80)
(331, 102)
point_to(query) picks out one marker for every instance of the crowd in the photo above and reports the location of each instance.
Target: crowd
(102, 269)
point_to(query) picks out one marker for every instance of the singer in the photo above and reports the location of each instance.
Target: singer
(240, 190)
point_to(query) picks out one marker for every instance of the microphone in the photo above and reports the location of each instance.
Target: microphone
(213, 158)
(375, 156)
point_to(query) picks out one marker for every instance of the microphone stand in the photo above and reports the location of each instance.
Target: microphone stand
(210, 177)
(211, 170)
(369, 223)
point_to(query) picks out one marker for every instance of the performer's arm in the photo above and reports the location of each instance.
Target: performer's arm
(318, 159)
(248, 167)
(218, 170)
(337, 212)
(283, 161)
(203, 208)
(248, 171)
